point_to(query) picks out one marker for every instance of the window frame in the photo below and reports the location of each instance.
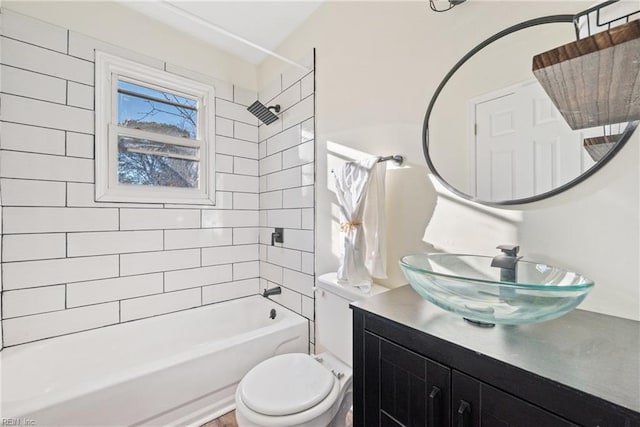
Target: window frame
(110, 69)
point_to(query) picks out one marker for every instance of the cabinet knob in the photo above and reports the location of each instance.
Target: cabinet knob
(464, 414)
(434, 407)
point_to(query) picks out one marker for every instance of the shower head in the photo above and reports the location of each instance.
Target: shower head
(263, 113)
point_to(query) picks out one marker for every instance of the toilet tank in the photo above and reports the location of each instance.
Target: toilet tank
(333, 316)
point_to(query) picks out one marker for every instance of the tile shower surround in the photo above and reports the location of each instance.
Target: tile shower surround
(287, 191)
(70, 264)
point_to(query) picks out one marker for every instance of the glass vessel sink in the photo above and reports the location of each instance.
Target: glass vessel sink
(467, 285)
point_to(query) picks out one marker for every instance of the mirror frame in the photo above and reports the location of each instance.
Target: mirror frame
(425, 128)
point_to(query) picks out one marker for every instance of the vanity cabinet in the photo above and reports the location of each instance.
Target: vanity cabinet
(478, 404)
(416, 365)
(404, 388)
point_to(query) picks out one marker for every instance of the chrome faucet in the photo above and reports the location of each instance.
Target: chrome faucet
(507, 262)
(273, 291)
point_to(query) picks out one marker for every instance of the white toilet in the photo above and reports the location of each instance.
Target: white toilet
(304, 390)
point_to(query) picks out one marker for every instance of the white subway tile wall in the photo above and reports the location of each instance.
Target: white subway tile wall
(138, 308)
(71, 264)
(229, 290)
(287, 192)
(34, 139)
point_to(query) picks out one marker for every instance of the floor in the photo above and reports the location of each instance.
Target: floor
(227, 420)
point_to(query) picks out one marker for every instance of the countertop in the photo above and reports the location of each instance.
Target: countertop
(590, 352)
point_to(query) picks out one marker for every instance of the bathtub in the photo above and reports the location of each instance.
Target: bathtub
(179, 369)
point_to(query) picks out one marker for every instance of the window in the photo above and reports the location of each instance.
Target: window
(154, 135)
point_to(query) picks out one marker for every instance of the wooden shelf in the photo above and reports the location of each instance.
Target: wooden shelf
(596, 80)
(598, 146)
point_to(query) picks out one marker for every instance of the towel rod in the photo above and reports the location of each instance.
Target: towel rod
(396, 158)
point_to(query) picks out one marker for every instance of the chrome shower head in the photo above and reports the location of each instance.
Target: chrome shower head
(263, 113)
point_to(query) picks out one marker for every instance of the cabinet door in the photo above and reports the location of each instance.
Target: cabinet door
(478, 404)
(402, 388)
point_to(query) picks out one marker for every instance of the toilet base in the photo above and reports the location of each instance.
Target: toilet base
(344, 417)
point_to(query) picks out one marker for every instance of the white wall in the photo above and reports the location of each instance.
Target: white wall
(1, 341)
(378, 64)
(117, 24)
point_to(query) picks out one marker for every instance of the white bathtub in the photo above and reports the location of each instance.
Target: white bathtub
(179, 369)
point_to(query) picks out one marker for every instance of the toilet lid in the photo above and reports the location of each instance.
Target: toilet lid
(286, 384)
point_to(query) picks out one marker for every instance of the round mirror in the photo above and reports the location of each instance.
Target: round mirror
(492, 134)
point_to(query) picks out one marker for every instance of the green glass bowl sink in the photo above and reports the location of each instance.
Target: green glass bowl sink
(467, 285)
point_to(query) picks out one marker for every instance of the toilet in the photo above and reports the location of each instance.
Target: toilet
(303, 390)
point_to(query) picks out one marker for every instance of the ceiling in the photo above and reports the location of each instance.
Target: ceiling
(250, 30)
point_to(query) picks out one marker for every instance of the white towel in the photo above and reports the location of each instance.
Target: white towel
(375, 223)
(360, 191)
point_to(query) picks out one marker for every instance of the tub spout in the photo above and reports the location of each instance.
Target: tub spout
(273, 291)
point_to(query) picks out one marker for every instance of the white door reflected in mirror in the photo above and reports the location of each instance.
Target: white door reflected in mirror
(522, 144)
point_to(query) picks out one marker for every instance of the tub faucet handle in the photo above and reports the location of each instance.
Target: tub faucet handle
(277, 236)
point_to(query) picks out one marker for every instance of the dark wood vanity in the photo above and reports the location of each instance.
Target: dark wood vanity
(417, 365)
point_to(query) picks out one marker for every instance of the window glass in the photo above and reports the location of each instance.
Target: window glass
(143, 162)
(143, 108)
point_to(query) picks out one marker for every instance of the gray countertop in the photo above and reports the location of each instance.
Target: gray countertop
(594, 353)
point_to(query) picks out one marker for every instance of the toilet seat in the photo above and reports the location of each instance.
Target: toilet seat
(320, 414)
(285, 385)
